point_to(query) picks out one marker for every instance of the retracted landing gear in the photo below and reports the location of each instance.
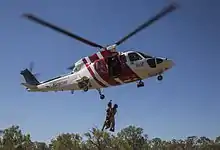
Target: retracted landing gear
(102, 96)
(84, 84)
(86, 88)
(160, 77)
(140, 84)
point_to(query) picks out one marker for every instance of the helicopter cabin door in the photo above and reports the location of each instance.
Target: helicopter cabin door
(114, 66)
(101, 68)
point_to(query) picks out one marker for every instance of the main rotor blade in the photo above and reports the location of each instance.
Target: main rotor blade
(58, 29)
(161, 14)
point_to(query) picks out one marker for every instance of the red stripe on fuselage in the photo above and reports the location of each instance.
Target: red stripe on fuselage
(92, 73)
(93, 58)
(107, 53)
(104, 53)
(102, 70)
(103, 75)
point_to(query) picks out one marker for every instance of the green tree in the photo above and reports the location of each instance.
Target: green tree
(217, 140)
(97, 139)
(12, 138)
(1, 140)
(157, 143)
(129, 138)
(41, 146)
(67, 142)
(191, 142)
(133, 138)
(205, 143)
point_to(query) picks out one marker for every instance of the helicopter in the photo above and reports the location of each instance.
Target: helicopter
(106, 68)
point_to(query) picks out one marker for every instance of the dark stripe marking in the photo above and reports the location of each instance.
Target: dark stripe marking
(92, 73)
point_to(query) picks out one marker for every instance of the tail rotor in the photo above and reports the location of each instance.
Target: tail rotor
(30, 77)
(31, 67)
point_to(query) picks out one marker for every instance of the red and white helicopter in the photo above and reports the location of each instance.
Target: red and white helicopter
(105, 68)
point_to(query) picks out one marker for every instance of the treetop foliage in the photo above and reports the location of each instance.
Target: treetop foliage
(129, 138)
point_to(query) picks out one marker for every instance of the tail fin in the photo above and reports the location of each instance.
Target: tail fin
(29, 78)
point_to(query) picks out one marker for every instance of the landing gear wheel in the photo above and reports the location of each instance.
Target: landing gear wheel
(140, 84)
(160, 77)
(102, 96)
(85, 89)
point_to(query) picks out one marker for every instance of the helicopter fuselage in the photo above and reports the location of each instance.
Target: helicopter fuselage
(91, 73)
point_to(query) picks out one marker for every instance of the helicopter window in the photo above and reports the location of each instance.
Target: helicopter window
(134, 56)
(151, 63)
(77, 68)
(159, 60)
(144, 55)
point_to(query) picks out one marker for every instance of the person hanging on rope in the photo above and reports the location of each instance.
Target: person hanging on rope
(112, 117)
(107, 122)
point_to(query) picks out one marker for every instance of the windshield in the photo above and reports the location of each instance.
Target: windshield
(151, 63)
(144, 55)
(159, 60)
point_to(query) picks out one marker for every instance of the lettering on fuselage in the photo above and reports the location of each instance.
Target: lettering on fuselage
(59, 83)
(74, 77)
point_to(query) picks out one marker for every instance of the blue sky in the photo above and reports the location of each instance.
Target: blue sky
(185, 103)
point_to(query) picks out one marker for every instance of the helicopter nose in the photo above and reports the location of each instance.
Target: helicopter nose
(168, 63)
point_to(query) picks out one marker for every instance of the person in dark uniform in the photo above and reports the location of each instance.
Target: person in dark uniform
(112, 117)
(107, 122)
(114, 66)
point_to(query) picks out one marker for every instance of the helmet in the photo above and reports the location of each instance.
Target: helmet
(115, 106)
(110, 103)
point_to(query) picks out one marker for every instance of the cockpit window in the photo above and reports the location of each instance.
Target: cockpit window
(144, 55)
(77, 67)
(159, 60)
(151, 63)
(134, 56)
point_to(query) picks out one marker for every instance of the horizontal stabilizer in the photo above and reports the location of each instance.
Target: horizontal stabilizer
(29, 86)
